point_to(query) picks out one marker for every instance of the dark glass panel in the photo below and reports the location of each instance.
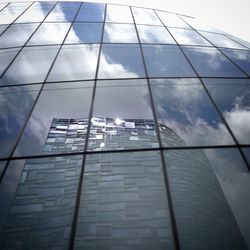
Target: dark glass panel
(15, 106)
(91, 12)
(123, 203)
(2, 165)
(145, 16)
(232, 96)
(166, 60)
(59, 121)
(211, 62)
(246, 152)
(185, 114)
(118, 14)
(122, 116)
(121, 61)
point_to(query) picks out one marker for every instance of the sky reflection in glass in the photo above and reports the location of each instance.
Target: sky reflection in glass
(118, 14)
(145, 16)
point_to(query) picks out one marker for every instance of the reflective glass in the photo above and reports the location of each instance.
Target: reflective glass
(15, 105)
(220, 40)
(186, 115)
(2, 5)
(145, 16)
(166, 60)
(41, 196)
(240, 57)
(49, 33)
(123, 203)
(208, 188)
(75, 62)
(232, 96)
(58, 124)
(246, 152)
(85, 33)
(17, 35)
(188, 37)
(122, 116)
(2, 166)
(118, 14)
(91, 12)
(120, 33)
(27, 68)
(211, 62)
(241, 41)
(2, 28)
(121, 61)
(152, 34)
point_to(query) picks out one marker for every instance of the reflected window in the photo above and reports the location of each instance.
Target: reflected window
(120, 33)
(166, 60)
(27, 68)
(118, 14)
(16, 104)
(152, 34)
(145, 16)
(58, 124)
(75, 62)
(122, 116)
(85, 33)
(211, 62)
(50, 33)
(233, 99)
(17, 35)
(188, 37)
(91, 12)
(186, 116)
(121, 61)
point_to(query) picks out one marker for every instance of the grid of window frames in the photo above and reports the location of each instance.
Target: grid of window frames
(121, 128)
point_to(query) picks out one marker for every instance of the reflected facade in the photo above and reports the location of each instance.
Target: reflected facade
(121, 128)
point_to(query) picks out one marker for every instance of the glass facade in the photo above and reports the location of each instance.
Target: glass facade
(121, 128)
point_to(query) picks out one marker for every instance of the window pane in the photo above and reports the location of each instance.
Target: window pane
(27, 68)
(120, 33)
(85, 33)
(151, 34)
(58, 124)
(2, 166)
(121, 61)
(15, 105)
(50, 33)
(43, 203)
(75, 62)
(145, 16)
(200, 200)
(188, 37)
(247, 154)
(123, 203)
(166, 60)
(2, 28)
(211, 62)
(118, 14)
(233, 99)
(17, 35)
(185, 114)
(91, 12)
(241, 41)
(122, 116)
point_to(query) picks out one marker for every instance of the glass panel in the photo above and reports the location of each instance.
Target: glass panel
(58, 124)
(241, 41)
(145, 16)
(43, 204)
(246, 152)
(2, 5)
(2, 28)
(185, 114)
(211, 62)
(17, 35)
(36, 13)
(240, 57)
(122, 116)
(220, 40)
(188, 37)
(123, 203)
(91, 12)
(85, 33)
(121, 61)
(50, 33)
(118, 14)
(171, 20)
(204, 218)
(2, 165)
(166, 60)
(151, 34)
(120, 33)
(27, 68)
(233, 99)
(75, 62)
(15, 106)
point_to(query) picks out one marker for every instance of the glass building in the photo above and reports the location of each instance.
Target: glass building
(121, 128)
